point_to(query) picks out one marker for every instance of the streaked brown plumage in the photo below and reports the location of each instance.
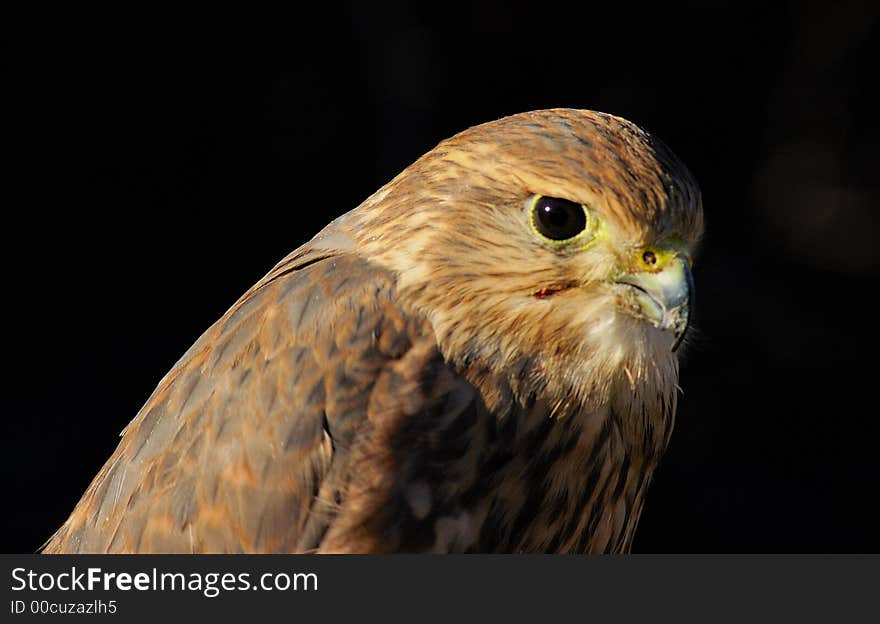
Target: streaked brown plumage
(431, 372)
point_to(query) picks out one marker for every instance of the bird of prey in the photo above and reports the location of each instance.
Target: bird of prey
(481, 357)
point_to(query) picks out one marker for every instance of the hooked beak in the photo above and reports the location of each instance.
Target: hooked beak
(663, 293)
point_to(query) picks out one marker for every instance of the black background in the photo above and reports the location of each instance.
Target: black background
(161, 159)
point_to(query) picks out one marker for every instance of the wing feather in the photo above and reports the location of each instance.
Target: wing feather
(262, 436)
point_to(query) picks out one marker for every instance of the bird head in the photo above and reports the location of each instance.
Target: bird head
(555, 246)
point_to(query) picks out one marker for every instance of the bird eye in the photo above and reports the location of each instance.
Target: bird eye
(558, 219)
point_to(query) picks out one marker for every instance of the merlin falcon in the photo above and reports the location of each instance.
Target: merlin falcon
(481, 357)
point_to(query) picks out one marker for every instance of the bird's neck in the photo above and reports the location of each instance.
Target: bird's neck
(569, 479)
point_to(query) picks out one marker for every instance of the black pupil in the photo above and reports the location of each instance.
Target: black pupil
(559, 219)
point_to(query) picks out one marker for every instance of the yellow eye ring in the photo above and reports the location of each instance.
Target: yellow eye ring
(560, 223)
